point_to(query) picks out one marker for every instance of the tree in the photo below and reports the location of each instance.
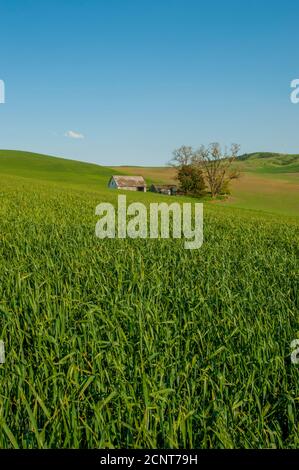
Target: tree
(182, 156)
(191, 180)
(216, 166)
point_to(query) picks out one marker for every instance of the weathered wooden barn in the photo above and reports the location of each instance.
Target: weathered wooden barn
(128, 183)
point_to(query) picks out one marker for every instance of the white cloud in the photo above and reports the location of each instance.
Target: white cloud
(74, 135)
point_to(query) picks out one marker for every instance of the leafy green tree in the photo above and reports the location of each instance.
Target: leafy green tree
(191, 180)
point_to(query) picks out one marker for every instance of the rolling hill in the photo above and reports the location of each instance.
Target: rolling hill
(47, 168)
(267, 162)
(269, 182)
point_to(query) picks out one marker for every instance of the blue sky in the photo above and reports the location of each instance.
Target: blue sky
(138, 78)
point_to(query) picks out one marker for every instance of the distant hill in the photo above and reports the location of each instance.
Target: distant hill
(270, 162)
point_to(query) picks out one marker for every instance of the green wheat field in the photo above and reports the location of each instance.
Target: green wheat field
(141, 343)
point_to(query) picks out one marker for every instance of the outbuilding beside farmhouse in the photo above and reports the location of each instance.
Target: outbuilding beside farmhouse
(169, 189)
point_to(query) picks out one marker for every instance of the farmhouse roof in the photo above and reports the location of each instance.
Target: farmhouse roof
(129, 181)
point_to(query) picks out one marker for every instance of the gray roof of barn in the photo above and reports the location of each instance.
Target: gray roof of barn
(129, 181)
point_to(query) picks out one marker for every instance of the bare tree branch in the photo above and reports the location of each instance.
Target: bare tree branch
(181, 156)
(216, 165)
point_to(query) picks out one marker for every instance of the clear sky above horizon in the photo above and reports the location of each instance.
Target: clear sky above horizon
(127, 81)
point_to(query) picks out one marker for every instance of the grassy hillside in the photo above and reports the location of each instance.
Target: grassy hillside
(46, 168)
(141, 343)
(269, 182)
(269, 162)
